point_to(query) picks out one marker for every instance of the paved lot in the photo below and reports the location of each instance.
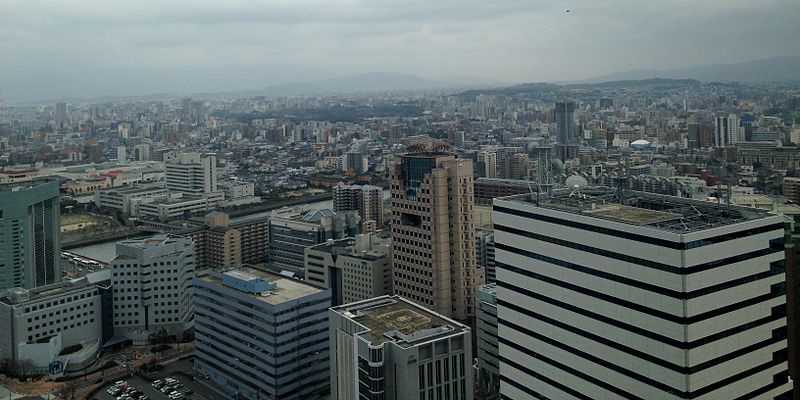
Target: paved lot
(180, 370)
(136, 382)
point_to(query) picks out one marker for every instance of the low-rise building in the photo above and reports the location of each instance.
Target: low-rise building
(354, 269)
(238, 193)
(126, 198)
(292, 230)
(390, 348)
(38, 325)
(487, 189)
(261, 336)
(180, 207)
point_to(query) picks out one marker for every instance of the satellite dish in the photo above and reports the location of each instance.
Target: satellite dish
(576, 182)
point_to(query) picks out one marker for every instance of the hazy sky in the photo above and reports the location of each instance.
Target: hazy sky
(87, 48)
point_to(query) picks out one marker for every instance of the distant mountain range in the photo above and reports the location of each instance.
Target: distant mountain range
(377, 82)
(764, 70)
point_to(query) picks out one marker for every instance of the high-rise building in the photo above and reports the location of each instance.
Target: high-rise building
(727, 130)
(122, 154)
(292, 230)
(512, 163)
(152, 280)
(186, 107)
(366, 199)
(30, 234)
(192, 174)
(61, 114)
(141, 152)
(198, 112)
(433, 232)
(565, 124)
(391, 348)
(699, 135)
(261, 336)
(793, 288)
(648, 297)
(356, 162)
(565, 128)
(354, 269)
(487, 352)
(489, 160)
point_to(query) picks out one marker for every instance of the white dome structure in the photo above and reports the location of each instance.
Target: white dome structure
(640, 144)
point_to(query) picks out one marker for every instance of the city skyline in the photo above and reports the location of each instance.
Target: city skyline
(194, 47)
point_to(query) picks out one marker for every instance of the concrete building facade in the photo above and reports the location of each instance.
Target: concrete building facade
(30, 234)
(354, 269)
(366, 199)
(433, 233)
(292, 230)
(191, 173)
(646, 297)
(261, 336)
(390, 348)
(217, 244)
(38, 324)
(126, 199)
(152, 281)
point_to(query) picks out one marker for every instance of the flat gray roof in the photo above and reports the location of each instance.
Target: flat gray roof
(385, 316)
(287, 290)
(668, 213)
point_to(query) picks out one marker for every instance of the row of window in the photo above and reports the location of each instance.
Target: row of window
(64, 300)
(59, 312)
(59, 320)
(64, 328)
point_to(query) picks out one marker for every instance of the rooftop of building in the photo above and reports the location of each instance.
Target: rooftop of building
(135, 189)
(667, 213)
(286, 289)
(174, 200)
(428, 154)
(14, 186)
(149, 242)
(15, 296)
(487, 293)
(395, 319)
(371, 250)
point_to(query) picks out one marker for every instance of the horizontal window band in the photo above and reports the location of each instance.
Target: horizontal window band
(776, 246)
(545, 379)
(569, 371)
(635, 329)
(754, 394)
(636, 353)
(776, 268)
(637, 237)
(636, 306)
(718, 384)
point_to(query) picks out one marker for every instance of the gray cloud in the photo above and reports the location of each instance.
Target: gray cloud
(91, 48)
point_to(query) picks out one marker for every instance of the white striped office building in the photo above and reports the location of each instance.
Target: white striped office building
(659, 298)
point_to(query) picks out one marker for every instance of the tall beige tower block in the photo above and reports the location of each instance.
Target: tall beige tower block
(433, 233)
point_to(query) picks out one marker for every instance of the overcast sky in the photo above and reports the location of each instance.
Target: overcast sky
(87, 48)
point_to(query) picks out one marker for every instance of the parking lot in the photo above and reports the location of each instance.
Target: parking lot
(183, 384)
